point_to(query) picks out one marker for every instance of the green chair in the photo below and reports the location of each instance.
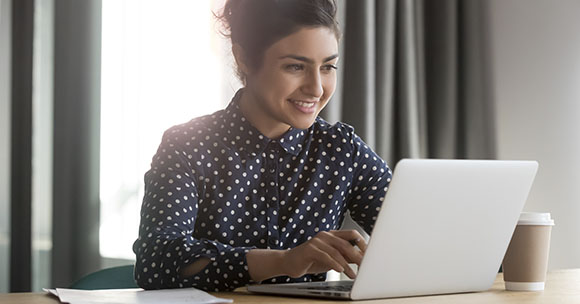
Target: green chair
(109, 278)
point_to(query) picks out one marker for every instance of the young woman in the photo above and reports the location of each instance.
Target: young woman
(257, 191)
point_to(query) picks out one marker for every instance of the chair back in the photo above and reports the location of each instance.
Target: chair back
(109, 278)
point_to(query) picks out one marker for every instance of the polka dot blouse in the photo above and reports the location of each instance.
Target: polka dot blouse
(218, 188)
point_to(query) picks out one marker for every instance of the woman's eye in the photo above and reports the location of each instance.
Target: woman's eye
(329, 67)
(295, 67)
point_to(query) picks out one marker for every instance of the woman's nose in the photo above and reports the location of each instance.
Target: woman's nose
(313, 85)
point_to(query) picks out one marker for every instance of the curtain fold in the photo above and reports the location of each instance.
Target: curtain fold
(442, 42)
(385, 38)
(77, 73)
(475, 69)
(414, 81)
(358, 92)
(21, 145)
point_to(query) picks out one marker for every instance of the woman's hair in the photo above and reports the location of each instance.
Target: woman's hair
(257, 24)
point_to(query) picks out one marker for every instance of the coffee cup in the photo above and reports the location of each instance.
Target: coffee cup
(526, 261)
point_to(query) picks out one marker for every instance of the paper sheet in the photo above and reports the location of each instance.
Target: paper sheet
(135, 296)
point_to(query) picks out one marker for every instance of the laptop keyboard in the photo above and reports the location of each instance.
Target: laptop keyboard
(333, 286)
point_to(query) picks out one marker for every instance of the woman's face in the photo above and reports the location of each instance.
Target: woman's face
(294, 83)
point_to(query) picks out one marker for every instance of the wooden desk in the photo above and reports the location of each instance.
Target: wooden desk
(562, 286)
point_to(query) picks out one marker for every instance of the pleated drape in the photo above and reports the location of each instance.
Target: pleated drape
(413, 78)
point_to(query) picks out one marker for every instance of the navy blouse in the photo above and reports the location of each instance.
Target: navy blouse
(218, 188)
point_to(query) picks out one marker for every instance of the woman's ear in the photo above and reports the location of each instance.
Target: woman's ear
(241, 59)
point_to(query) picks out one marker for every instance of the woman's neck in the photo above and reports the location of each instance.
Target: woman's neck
(259, 118)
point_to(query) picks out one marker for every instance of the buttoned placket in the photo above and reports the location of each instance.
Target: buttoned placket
(272, 193)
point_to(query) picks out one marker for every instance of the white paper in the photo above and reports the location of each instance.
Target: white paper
(135, 296)
(51, 291)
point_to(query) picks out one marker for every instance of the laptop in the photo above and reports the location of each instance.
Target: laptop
(444, 228)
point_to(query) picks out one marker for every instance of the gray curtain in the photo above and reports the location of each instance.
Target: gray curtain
(21, 145)
(77, 79)
(414, 79)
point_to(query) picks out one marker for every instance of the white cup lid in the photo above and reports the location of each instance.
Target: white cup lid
(535, 218)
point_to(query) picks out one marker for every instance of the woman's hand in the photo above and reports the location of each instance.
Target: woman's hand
(325, 251)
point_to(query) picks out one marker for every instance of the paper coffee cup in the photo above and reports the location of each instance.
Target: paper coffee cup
(526, 261)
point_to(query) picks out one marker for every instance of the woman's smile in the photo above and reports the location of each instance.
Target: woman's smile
(307, 107)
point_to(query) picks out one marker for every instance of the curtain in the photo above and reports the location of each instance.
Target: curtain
(21, 145)
(414, 81)
(77, 79)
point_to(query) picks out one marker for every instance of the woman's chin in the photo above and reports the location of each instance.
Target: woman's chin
(303, 125)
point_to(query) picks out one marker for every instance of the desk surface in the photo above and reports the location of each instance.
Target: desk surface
(562, 286)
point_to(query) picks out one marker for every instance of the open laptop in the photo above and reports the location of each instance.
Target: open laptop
(444, 228)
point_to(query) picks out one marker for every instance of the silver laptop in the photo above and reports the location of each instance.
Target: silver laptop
(444, 228)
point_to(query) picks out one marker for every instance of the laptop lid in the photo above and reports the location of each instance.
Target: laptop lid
(444, 227)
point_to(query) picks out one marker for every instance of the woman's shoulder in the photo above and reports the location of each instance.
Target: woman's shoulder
(339, 133)
(325, 129)
(197, 128)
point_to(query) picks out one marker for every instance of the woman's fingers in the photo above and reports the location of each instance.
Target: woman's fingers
(311, 258)
(328, 250)
(361, 244)
(327, 258)
(352, 236)
(343, 241)
(336, 256)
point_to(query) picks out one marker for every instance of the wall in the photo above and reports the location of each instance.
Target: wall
(5, 8)
(536, 68)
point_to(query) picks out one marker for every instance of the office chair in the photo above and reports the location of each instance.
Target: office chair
(109, 278)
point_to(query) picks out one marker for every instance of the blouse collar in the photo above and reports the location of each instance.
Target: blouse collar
(243, 136)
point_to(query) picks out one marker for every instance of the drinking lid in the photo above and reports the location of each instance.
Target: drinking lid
(535, 218)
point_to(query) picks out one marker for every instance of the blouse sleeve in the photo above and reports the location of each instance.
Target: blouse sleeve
(166, 243)
(371, 179)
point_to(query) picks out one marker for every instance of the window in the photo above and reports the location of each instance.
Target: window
(163, 63)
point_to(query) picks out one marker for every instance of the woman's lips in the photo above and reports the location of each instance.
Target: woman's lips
(304, 106)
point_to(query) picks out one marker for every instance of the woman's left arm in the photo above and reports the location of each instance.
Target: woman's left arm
(371, 179)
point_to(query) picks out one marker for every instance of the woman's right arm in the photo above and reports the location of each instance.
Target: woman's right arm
(331, 250)
(328, 250)
(262, 264)
(166, 244)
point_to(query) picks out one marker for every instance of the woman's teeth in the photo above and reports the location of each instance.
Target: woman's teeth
(304, 104)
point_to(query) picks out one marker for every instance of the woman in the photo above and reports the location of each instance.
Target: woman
(255, 192)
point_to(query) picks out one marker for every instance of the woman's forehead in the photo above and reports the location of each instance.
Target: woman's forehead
(317, 43)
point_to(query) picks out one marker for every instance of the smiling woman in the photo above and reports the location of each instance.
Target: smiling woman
(256, 192)
(295, 82)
